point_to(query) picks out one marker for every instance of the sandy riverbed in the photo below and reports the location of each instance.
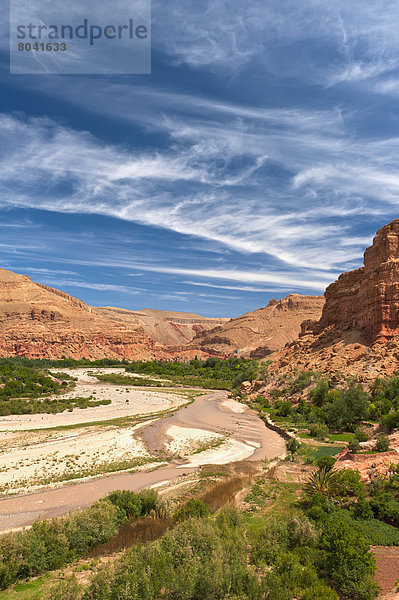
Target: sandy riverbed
(211, 430)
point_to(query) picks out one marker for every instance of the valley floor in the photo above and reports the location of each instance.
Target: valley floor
(142, 438)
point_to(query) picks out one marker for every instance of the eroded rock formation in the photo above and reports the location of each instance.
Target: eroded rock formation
(263, 331)
(367, 299)
(39, 322)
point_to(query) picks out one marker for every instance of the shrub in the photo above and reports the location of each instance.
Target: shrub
(293, 445)
(349, 561)
(128, 503)
(361, 435)
(354, 446)
(193, 508)
(382, 443)
(325, 462)
(318, 431)
(390, 421)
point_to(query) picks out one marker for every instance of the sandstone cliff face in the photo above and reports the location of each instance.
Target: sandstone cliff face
(367, 300)
(261, 332)
(358, 333)
(165, 327)
(39, 322)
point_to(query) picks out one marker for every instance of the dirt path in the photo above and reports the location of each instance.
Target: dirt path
(387, 570)
(208, 412)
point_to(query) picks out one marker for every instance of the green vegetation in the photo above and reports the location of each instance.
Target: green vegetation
(338, 404)
(382, 443)
(52, 544)
(212, 373)
(25, 407)
(281, 547)
(23, 390)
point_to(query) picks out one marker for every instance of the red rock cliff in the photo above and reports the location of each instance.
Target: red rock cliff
(367, 299)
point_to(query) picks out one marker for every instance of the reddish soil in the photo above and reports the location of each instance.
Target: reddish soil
(387, 570)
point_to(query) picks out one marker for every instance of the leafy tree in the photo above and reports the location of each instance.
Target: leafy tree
(318, 394)
(347, 408)
(349, 561)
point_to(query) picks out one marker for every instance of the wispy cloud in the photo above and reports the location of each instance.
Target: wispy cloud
(102, 287)
(218, 183)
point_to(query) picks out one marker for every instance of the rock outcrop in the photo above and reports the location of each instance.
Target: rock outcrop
(165, 327)
(367, 299)
(358, 333)
(264, 331)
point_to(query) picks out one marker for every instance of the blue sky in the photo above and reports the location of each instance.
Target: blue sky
(258, 158)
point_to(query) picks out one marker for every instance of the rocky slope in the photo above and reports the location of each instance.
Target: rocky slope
(358, 333)
(40, 322)
(263, 331)
(166, 327)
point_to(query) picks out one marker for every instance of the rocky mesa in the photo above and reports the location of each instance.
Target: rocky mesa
(261, 332)
(358, 332)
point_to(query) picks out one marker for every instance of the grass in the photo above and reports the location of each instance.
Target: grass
(341, 437)
(311, 453)
(375, 532)
(36, 589)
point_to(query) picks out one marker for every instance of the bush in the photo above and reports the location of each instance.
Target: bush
(354, 446)
(128, 503)
(193, 508)
(50, 545)
(382, 443)
(361, 435)
(318, 431)
(349, 561)
(325, 462)
(390, 421)
(293, 445)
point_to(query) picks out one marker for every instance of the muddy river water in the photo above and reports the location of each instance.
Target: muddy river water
(248, 439)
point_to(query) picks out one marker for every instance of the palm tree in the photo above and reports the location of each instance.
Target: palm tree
(322, 482)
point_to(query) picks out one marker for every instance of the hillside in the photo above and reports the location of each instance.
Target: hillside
(37, 321)
(263, 331)
(165, 327)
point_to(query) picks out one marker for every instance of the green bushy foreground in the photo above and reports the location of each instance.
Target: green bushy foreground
(49, 545)
(313, 547)
(206, 558)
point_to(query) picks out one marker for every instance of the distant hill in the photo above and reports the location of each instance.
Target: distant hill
(259, 333)
(166, 327)
(37, 321)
